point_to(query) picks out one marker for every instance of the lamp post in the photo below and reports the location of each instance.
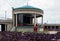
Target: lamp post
(5, 15)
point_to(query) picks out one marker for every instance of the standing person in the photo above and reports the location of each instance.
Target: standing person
(35, 28)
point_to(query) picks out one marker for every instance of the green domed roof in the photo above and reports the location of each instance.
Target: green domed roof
(28, 7)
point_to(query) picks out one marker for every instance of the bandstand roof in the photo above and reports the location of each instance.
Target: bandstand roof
(28, 7)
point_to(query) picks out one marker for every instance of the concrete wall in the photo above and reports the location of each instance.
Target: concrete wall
(9, 27)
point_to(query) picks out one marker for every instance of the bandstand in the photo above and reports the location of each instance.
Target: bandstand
(23, 17)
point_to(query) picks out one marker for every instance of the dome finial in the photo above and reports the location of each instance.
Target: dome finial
(27, 2)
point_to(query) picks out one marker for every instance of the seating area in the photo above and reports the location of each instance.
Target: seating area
(28, 36)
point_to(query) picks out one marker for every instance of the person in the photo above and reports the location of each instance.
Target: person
(35, 28)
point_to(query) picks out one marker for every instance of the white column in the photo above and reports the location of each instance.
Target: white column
(16, 20)
(35, 20)
(5, 27)
(13, 18)
(42, 21)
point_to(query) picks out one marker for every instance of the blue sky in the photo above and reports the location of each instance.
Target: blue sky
(51, 8)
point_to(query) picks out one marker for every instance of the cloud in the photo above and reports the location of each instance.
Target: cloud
(17, 3)
(42, 3)
(6, 5)
(51, 8)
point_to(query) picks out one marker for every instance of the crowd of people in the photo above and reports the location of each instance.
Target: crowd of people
(28, 36)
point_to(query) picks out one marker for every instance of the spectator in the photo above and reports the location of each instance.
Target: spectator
(35, 28)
